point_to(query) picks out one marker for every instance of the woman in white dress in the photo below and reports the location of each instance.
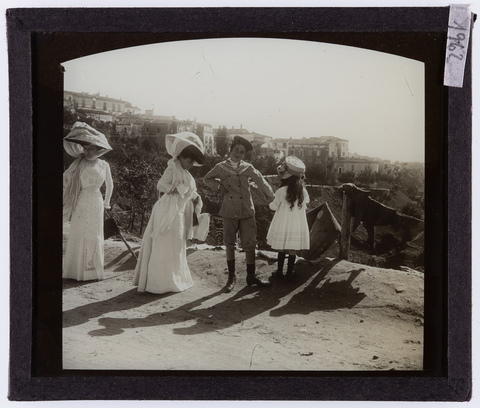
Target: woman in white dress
(162, 263)
(83, 203)
(288, 232)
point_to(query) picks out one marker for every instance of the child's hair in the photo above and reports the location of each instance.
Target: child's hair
(191, 152)
(294, 190)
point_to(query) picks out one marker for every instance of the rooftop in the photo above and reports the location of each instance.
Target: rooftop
(96, 96)
(310, 140)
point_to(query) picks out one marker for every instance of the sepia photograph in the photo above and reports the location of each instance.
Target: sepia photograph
(230, 203)
(243, 204)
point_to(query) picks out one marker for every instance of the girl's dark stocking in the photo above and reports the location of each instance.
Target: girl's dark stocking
(291, 262)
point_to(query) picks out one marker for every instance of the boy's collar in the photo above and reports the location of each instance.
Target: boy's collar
(235, 164)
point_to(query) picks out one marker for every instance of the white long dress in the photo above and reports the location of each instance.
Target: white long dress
(289, 228)
(84, 254)
(162, 263)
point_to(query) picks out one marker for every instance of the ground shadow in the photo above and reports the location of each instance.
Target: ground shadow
(114, 325)
(116, 260)
(241, 306)
(72, 283)
(128, 265)
(124, 301)
(330, 296)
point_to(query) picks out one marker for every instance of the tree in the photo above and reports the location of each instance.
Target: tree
(412, 209)
(135, 172)
(346, 177)
(366, 176)
(266, 165)
(411, 181)
(221, 141)
(386, 174)
(316, 173)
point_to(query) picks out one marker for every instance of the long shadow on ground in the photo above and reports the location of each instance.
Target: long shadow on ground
(243, 305)
(127, 300)
(127, 265)
(124, 301)
(330, 296)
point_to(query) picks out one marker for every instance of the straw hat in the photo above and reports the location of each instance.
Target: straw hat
(176, 143)
(292, 166)
(81, 135)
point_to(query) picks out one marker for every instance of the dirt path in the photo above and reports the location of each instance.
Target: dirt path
(339, 316)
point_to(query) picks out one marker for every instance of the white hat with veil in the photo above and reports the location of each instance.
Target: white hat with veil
(81, 135)
(177, 142)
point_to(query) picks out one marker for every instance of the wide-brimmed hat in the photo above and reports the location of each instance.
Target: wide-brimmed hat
(292, 166)
(244, 142)
(81, 135)
(177, 142)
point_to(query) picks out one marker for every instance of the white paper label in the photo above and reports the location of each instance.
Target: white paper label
(457, 44)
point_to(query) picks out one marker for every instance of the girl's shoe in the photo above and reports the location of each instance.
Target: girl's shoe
(290, 276)
(290, 273)
(276, 276)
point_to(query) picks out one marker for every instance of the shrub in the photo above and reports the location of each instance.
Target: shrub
(412, 210)
(347, 177)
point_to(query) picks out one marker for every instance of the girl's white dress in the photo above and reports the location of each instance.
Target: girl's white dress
(84, 252)
(162, 264)
(289, 228)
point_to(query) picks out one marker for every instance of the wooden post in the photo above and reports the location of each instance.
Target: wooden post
(346, 228)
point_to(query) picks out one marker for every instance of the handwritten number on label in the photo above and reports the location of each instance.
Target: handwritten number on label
(460, 57)
(456, 42)
(457, 26)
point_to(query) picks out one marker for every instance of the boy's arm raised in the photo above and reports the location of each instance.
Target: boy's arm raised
(261, 183)
(210, 179)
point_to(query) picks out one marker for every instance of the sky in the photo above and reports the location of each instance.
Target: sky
(279, 88)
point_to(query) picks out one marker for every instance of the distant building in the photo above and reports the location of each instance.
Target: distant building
(101, 107)
(266, 151)
(127, 126)
(203, 130)
(129, 108)
(313, 149)
(281, 145)
(129, 121)
(208, 139)
(256, 139)
(158, 127)
(355, 165)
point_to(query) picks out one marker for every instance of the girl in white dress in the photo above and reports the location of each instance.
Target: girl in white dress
(288, 232)
(83, 203)
(162, 263)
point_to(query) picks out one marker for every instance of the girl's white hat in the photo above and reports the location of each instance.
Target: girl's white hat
(83, 134)
(177, 142)
(292, 166)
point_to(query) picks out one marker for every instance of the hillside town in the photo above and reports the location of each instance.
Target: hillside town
(128, 121)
